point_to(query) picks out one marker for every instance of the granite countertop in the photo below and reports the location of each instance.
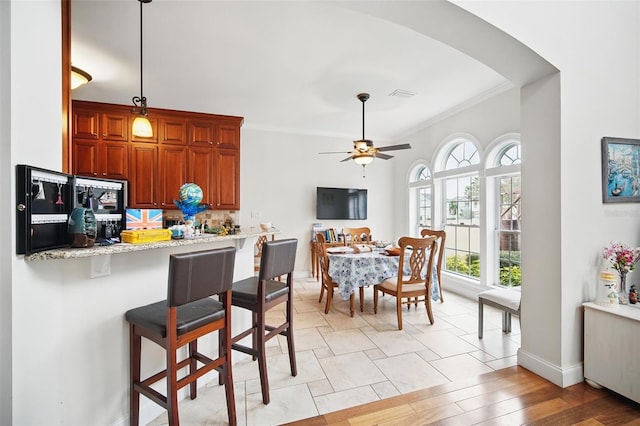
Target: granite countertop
(72, 253)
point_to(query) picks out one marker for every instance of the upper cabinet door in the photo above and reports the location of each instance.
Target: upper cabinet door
(174, 131)
(202, 133)
(227, 173)
(85, 124)
(115, 127)
(228, 136)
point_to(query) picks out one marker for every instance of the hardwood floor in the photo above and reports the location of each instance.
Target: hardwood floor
(512, 396)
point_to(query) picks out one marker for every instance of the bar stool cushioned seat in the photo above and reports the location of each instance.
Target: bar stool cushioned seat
(506, 300)
(188, 313)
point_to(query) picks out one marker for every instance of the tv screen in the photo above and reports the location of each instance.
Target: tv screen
(341, 203)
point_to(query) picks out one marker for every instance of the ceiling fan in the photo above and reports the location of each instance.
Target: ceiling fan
(363, 151)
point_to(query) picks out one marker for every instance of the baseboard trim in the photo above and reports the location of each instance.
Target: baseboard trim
(559, 376)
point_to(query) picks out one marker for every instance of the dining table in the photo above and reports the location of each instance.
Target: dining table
(352, 270)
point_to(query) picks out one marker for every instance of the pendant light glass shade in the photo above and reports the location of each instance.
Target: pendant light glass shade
(142, 127)
(79, 77)
(363, 159)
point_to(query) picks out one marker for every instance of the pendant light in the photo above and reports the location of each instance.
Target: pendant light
(79, 77)
(141, 125)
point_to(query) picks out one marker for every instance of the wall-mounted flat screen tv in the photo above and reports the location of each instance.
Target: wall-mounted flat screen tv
(341, 203)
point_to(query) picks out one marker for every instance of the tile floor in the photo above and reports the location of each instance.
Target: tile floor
(344, 361)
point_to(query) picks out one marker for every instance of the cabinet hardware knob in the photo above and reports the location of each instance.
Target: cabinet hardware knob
(104, 174)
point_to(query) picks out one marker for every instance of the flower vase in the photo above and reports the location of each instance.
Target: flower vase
(623, 293)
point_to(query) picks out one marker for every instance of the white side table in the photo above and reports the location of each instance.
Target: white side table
(612, 348)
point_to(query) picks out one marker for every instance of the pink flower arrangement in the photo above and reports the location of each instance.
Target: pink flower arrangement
(622, 257)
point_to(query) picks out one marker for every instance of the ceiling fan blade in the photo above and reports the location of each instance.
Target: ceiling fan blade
(383, 156)
(394, 147)
(346, 159)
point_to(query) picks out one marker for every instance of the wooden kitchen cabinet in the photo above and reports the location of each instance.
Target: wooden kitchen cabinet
(201, 172)
(143, 176)
(101, 159)
(227, 179)
(173, 131)
(185, 147)
(99, 147)
(85, 123)
(217, 172)
(228, 135)
(215, 133)
(115, 126)
(172, 174)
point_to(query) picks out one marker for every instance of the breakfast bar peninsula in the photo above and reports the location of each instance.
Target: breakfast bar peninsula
(79, 337)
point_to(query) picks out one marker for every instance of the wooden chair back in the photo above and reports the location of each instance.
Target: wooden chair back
(441, 238)
(420, 261)
(353, 236)
(323, 258)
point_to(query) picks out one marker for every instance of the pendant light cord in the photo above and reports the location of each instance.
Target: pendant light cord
(141, 92)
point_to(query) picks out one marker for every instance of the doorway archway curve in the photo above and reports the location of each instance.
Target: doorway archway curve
(542, 349)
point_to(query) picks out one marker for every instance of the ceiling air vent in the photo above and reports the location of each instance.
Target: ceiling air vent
(402, 93)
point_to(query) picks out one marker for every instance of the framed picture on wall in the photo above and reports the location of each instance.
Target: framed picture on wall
(620, 170)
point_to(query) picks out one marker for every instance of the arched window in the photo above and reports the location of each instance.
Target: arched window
(460, 184)
(505, 197)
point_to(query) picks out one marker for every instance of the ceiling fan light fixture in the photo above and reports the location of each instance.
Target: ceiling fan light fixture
(141, 125)
(363, 159)
(79, 77)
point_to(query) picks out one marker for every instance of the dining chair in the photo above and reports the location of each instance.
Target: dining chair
(441, 237)
(261, 293)
(360, 235)
(257, 253)
(187, 314)
(416, 285)
(326, 283)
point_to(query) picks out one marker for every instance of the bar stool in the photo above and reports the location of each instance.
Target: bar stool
(187, 314)
(261, 293)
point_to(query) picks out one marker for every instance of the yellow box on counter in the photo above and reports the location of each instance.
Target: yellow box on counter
(141, 236)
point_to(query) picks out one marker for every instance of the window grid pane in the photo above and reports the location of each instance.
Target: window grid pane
(462, 210)
(462, 155)
(509, 231)
(510, 155)
(424, 207)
